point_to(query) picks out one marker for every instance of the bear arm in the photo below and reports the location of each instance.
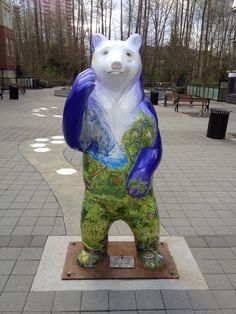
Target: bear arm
(138, 182)
(73, 116)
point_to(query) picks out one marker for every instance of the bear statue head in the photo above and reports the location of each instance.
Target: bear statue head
(116, 63)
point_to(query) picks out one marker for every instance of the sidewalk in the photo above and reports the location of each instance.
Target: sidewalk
(195, 187)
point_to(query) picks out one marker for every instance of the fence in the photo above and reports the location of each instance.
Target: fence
(32, 82)
(214, 92)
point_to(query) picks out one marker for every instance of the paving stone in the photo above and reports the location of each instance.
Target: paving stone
(19, 283)
(230, 240)
(208, 312)
(204, 230)
(180, 311)
(218, 282)
(39, 301)
(59, 221)
(12, 301)
(174, 299)
(9, 253)
(25, 268)
(58, 230)
(94, 301)
(225, 299)
(14, 212)
(20, 241)
(3, 280)
(6, 230)
(215, 241)
(26, 312)
(6, 267)
(27, 221)
(38, 241)
(31, 213)
(101, 312)
(182, 231)
(22, 230)
(45, 221)
(149, 300)
(202, 300)
(223, 253)
(42, 230)
(48, 212)
(8, 221)
(122, 300)
(11, 312)
(228, 266)
(210, 267)
(202, 253)
(67, 301)
(31, 253)
(123, 312)
(232, 278)
(4, 240)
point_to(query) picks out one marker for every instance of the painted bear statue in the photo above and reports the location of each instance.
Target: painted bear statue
(109, 119)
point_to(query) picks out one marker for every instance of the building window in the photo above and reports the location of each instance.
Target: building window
(9, 47)
(7, 18)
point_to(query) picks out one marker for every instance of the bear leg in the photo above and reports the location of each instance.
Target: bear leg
(143, 220)
(95, 223)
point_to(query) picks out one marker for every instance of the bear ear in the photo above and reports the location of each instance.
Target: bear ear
(97, 39)
(135, 42)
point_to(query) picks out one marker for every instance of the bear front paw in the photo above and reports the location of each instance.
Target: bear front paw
(138, 187)
(85, 81)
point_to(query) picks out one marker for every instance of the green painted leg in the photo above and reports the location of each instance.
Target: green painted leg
(150, 255)
(90, 258)
(144, 222)
(95, 225)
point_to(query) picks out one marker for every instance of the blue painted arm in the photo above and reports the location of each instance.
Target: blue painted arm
(75, 108)
(139, 181)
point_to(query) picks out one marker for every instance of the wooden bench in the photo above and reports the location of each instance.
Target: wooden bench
(172, 97)
(191, 101)
(3, 88)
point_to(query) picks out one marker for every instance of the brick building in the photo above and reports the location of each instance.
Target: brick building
(7, 42)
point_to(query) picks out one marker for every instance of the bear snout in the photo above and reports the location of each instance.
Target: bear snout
(116, 66)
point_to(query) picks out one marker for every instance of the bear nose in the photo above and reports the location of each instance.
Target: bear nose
(116, 66)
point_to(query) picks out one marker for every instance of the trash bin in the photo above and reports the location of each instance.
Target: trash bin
(217, 124)
(154, 97)
(13, 92)
(36, 83)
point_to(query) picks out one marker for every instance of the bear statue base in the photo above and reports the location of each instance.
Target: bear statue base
(72, 271)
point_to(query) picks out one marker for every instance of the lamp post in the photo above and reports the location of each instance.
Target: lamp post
(231, 97)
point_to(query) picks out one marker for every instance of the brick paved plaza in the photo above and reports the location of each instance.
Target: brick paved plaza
(195, 187)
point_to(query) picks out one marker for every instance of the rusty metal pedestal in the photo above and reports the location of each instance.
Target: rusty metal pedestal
(72, 271)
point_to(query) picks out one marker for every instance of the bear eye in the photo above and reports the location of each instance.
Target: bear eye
(105, 52)
(128, 54)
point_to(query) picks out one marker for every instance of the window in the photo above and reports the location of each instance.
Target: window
(7, 18)
(9, 47)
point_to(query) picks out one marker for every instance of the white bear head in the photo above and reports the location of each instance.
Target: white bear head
(117, 64)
